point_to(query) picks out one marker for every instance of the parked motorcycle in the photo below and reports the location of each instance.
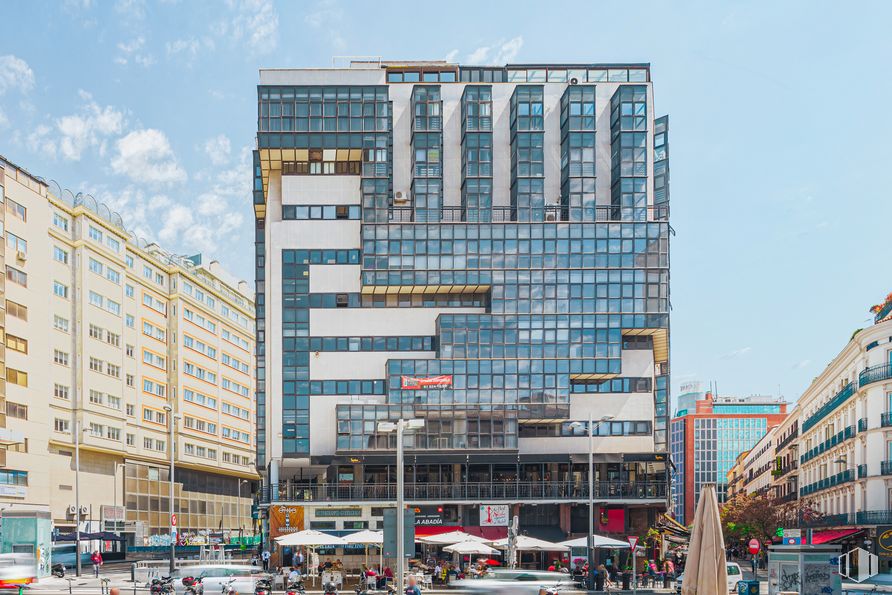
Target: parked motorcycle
(193, 585)
(295, 588)
(330, 589)
(263, 586)
(162, 586)
(58, 570)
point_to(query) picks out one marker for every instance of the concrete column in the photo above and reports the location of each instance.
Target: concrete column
(274, 480)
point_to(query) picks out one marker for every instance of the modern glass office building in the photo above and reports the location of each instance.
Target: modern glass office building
(707, 435)
(483, 248)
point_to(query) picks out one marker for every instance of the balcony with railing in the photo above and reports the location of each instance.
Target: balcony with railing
(862, 471)
(782, 470)
(849, 519)
(886, 468)
(826, 445)
(548, 213)
(790, 438)
(791, 497)
(886, 419)
(510, 491)
(827, 408)
(862, 424)
(828, 482)
(875, 374)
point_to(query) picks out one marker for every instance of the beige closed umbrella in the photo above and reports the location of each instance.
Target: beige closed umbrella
(706, 570)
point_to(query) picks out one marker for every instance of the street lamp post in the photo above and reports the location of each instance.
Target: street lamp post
(591, 488)
(401, 425)
(171, 418)
(238, 506)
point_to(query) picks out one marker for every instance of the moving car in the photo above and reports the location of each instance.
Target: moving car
(734, 576)
(503, 580)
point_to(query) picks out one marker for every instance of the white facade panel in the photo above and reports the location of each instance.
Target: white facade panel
(385, 322)
(321, 190)
(335, 278)
(346, 365)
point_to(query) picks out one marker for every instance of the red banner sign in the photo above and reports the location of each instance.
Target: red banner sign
(412, 383)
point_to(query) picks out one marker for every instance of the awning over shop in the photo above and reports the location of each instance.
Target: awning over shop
(553, 534)
(832, 535)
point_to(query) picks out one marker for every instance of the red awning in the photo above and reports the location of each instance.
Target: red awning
(832, 535)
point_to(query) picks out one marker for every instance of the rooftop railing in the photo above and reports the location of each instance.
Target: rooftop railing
(841, 397)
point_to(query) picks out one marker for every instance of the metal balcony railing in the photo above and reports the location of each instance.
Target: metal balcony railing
(875, 374)
(288, 491)
(835, 440)
(886, 419)
(407, 214)
(862, 471)
(828, 407)
(886, 468)
(864, 517)
(862, 424)
(783, 443)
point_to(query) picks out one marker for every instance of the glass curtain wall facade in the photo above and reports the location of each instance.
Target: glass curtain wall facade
(498, 317)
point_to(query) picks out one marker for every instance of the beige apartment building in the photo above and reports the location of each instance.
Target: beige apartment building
(107, 333)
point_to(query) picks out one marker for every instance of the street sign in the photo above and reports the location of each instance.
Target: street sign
(173, 520)
(633, 541)
(792, 536)
(754, 546)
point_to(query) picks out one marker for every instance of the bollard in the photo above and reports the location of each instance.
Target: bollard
(133, 572)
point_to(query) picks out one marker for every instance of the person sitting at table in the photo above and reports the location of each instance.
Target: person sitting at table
(388, 575)
(294, 575)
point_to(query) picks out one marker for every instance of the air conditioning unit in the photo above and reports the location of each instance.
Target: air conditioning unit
(83, 510)
(341, 300)
(20, 256)
(400, 197)
(574, 81)
(72, 509)
(550, 216)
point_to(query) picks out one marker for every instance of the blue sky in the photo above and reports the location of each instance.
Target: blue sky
(777, 112)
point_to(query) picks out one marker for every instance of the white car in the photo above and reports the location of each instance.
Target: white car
(734, 577)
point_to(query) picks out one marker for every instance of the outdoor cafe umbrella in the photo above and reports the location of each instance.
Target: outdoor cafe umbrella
(706, 569)
(309, 538)
(451, 537)
(598, 541)
(525, 543)
(470, 547)
(366, 537)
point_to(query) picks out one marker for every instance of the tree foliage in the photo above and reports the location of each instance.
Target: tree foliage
(755, 516)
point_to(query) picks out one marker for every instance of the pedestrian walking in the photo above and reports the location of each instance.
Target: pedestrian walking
(265, 557)
(96, 559)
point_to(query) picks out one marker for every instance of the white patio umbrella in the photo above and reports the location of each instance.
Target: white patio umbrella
(598, 541)
(525, 543)
(367, 537)
(706, 569)
(309, 538)
(451, 537)
(470, 547)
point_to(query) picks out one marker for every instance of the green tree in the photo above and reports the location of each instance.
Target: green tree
(748, 516)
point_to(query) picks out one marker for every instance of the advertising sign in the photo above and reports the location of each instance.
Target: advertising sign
(494, 515)
(884, 542)
(414, 383)
(428, 516)
(389, 545)
(285, 519)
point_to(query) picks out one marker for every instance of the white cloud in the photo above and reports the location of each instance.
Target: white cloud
(801, 364)
(218, 149)
(4, 120)
(188, 48)
(736, 353)
(146, 156)
(132, 50)
(255, 22)
(502, 52)
(131, 9)
(324, 13)
(73, 134)
(15, 75)
(451, 56)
